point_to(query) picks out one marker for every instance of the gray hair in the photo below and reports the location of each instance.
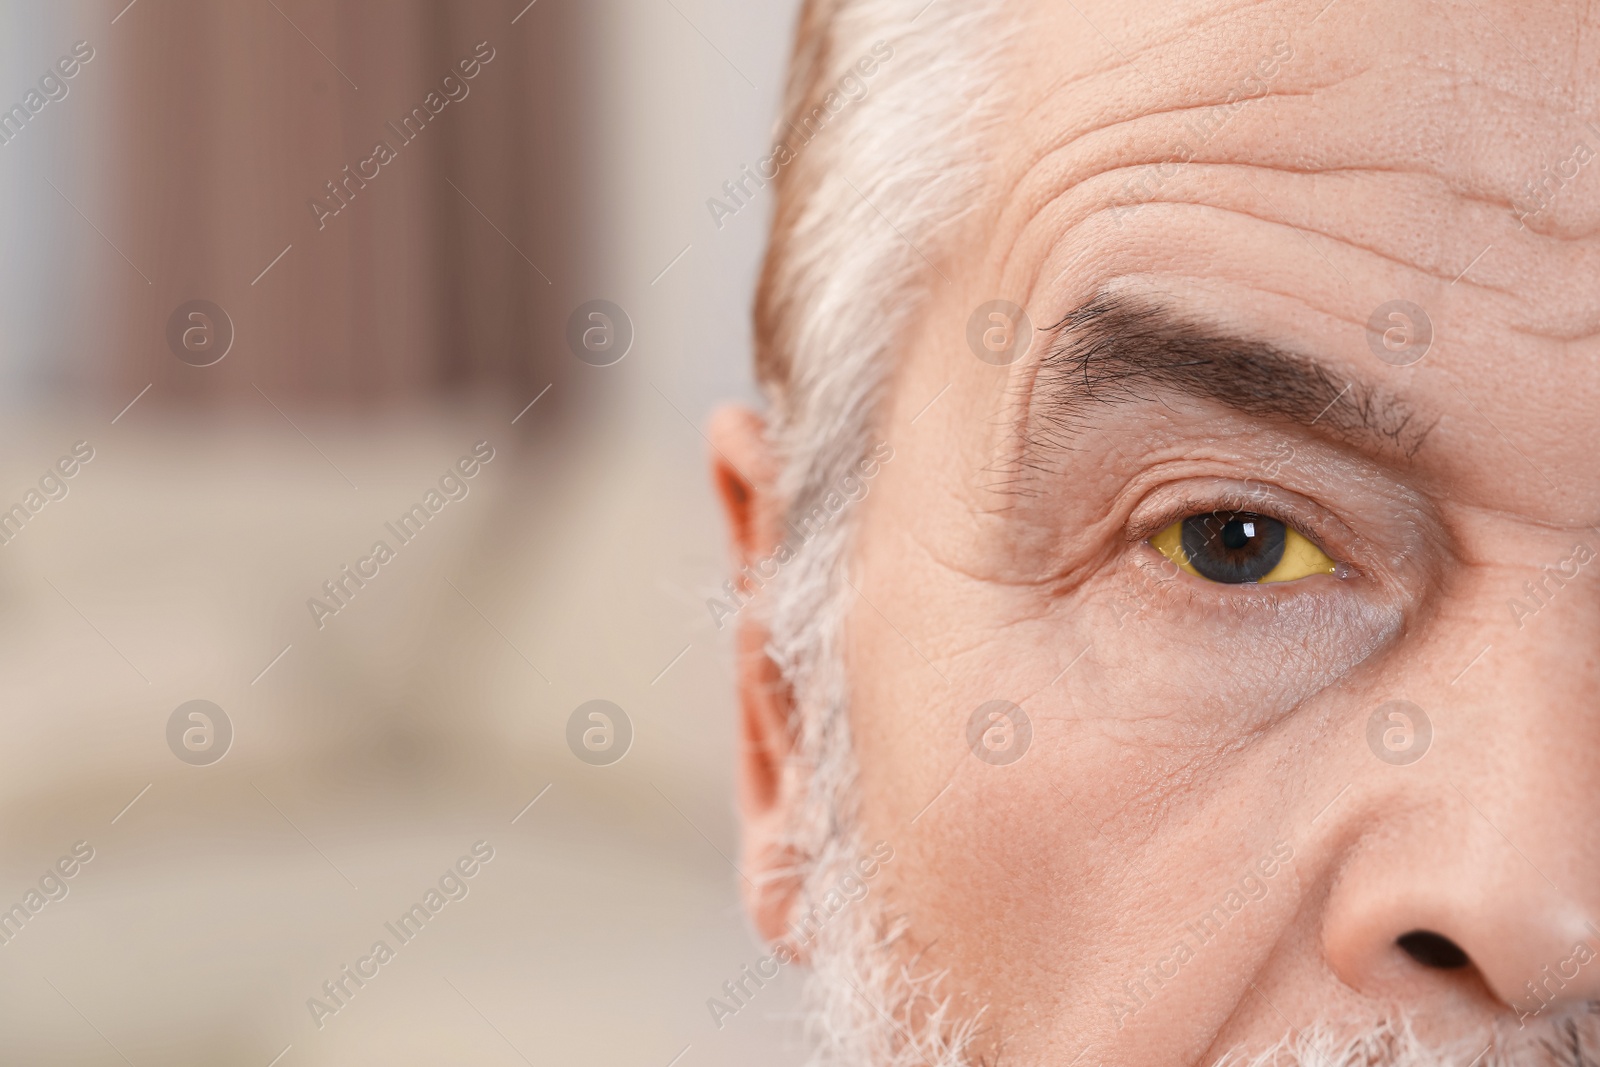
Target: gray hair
(841, 285)
(885, 184)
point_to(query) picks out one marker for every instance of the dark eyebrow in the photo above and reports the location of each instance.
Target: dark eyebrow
(1114, 350)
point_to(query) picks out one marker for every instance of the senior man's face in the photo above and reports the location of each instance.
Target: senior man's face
(1302, 627)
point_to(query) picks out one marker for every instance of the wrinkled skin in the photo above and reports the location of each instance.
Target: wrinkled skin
(1181, 729)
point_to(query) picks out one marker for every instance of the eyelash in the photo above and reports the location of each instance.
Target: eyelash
(1226, 500)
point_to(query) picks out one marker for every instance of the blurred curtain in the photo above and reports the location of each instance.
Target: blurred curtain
(219, 123)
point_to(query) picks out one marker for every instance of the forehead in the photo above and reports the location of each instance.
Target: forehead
(1290, 170)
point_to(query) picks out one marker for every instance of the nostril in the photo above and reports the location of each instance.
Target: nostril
(1433, 950)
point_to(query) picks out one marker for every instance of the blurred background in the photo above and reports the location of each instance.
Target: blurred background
(159, 209)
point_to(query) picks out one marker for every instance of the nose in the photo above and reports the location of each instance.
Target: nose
(1450, 909)
(1471, 874)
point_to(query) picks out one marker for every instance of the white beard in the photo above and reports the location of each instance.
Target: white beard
(866, 1003)
(1568, 1041)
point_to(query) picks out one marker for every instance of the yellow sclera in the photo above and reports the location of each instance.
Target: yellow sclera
(1301, 558)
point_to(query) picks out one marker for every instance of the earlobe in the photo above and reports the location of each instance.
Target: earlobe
(769, 788)
(744, 471)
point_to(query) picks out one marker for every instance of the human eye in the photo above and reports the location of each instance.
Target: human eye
(1242, 548)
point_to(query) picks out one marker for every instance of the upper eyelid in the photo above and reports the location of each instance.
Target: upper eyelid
(1273, 507)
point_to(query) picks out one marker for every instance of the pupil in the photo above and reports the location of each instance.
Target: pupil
(1233, 547)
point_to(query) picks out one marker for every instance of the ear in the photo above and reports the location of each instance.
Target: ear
(744, 468)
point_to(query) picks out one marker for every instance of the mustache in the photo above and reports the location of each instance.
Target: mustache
(1571, 1040)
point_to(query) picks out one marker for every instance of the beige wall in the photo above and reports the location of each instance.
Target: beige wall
(426, 714)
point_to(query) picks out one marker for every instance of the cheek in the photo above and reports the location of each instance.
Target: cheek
(1018, 878)
(1191, 663)
(991, 866)
(1045, 883)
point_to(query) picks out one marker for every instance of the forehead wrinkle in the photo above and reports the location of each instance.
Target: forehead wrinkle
(1104, 134)
(1055, 182)
(1103, 113)
(1063, 181)
(1185, 28)
(1030, 229)
(1080, 148)
(1126, 56)
(1081, 165)
(1439, 272)
(1538, 290)
(1061, 230)
(1093, 133)
(1094, 174)
(1121, 68)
